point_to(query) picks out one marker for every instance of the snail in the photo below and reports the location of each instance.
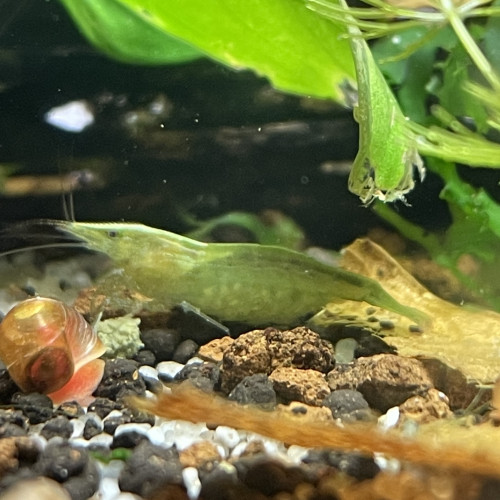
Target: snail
(48, 347)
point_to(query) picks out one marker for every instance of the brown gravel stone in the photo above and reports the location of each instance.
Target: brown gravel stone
(198, 454)
(454, 384)
(426, 408)
(385, 380)
(306, 413)
(254, 447)
(247, 355)
(261, 351)
(306, 386)
(214, 350)
(300, 348)
(14, 449)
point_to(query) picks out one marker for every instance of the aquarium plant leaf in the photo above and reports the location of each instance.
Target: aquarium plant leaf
(115, 30)
(474, 234)
(462, 338)
(468, 148)
(387, 156)
(268, 228)
(295, 48)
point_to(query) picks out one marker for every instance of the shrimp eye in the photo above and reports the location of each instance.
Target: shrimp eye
(112, 234)
(50, 370)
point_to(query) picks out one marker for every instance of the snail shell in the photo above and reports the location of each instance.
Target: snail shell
(44, 343)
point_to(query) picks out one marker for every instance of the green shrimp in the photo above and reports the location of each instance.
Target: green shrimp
(240, 282)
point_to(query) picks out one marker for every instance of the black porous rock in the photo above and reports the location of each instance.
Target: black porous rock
(490, 489)
(348, 405)
(270, 477)
(37, 407)
(149, 468)
(60, 461)
(161, 342)
(103, 406)
(111, 423)
(70, 409)
(185, 351)
(58, 426)
(220, 484)
(352, 464)
(7, 387)
(14, 417)
(84, 486)
(129, 439)
(193, 324)
(204, 376)
(140, 417)
(92, 427)
(11, 430)
(256, 390)
(145, 358)
(369, 345)
(121, 378)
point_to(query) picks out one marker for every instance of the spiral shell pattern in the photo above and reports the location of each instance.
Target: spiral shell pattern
(44, 342)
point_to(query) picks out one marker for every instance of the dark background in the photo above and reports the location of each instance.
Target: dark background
(224, 141)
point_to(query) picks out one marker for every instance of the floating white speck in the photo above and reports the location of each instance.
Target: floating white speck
(73, 116)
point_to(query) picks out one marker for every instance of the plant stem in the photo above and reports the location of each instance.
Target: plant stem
(469, 43)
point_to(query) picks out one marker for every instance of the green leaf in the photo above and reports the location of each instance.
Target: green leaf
(474, 233)
(115, 30)
(268, 228)
(453, 95)
(281, 39)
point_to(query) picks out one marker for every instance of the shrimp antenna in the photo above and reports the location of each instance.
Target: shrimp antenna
(35, 235)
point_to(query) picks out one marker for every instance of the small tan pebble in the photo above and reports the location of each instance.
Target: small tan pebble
(306, 413)
(306, 386)
(41, 488)
(13, 449)
(214, 350)
(255, 447)
(426, 408)
(198, 454)
(385, 380)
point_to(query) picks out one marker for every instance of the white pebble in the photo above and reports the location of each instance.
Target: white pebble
(296, 453)
(239, 449)
(195, 359)
(80, 441)
(227, 436)
(101, 439)
(112, 414)
(156, 436)
(148, 372)
(169, 369)
(108, 488)
(78, 426)
(191, 482)
(274, 448)
(390, 419)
